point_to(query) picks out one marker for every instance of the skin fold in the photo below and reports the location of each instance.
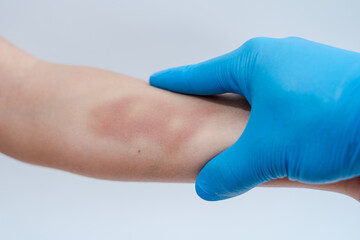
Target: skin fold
(110, 126)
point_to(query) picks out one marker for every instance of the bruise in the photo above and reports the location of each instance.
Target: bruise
(154, 119)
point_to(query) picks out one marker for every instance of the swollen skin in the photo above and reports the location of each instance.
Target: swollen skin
(133, 118)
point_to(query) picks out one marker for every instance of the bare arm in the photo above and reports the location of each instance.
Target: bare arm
(106, 125)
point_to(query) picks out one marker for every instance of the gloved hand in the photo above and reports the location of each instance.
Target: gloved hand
(305, 113)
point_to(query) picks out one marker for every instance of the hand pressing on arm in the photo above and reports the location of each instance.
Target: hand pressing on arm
(106, 125)
(305, 113)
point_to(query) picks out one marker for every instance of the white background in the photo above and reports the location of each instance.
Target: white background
(137, 38)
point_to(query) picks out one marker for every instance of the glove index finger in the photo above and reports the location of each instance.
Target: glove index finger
(206, 78)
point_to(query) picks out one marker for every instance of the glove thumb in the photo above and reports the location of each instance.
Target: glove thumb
(240, 168)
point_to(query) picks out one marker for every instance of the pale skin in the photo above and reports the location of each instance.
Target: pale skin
(110, 126)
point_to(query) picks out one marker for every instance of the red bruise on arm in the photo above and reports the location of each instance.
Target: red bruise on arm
(135, 117)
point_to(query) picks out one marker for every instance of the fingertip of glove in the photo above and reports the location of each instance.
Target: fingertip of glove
(158, 79)
(205, 194)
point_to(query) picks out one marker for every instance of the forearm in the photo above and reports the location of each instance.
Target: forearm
(106, 125)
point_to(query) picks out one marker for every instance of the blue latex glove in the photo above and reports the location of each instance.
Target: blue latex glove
(305, 113)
